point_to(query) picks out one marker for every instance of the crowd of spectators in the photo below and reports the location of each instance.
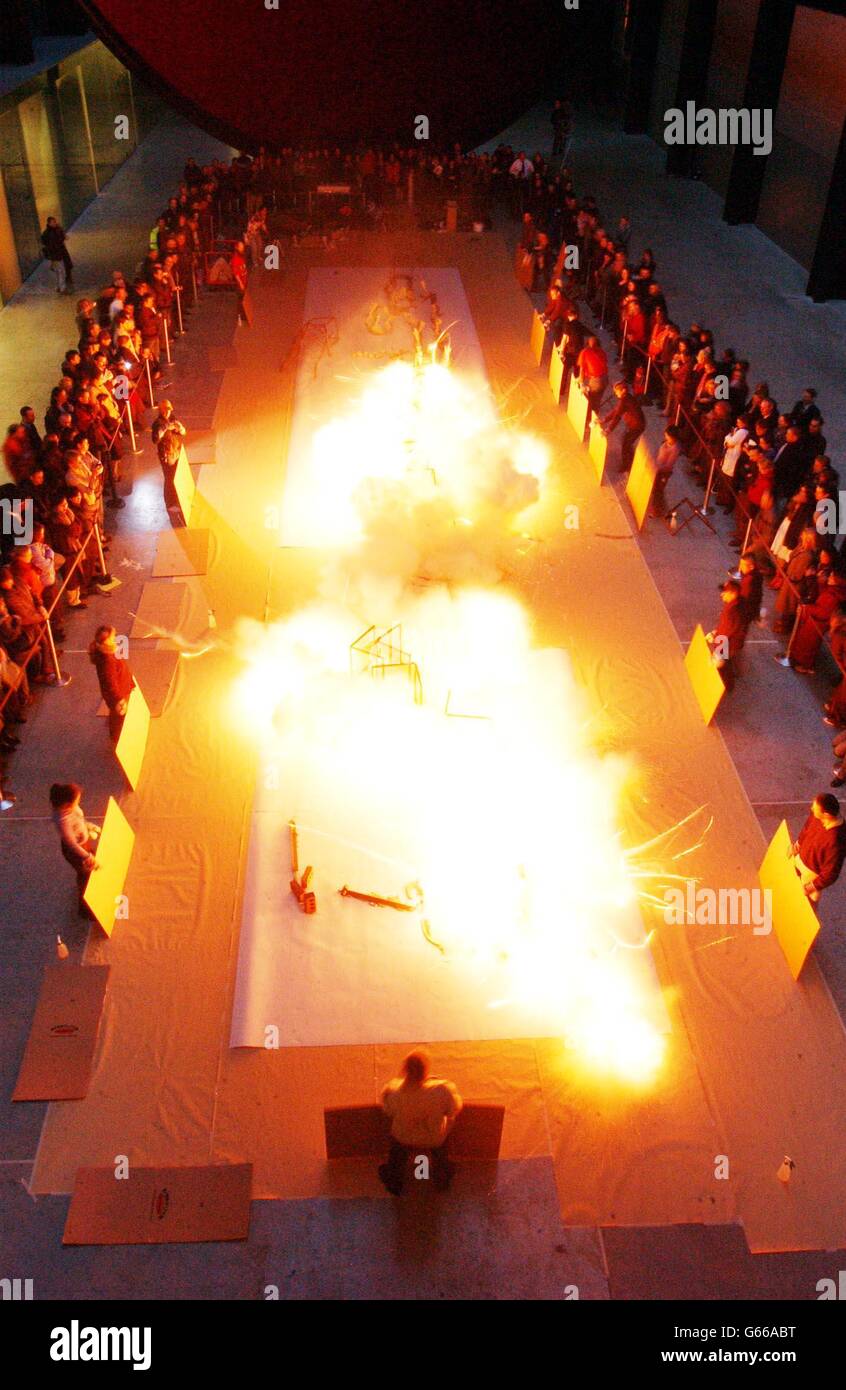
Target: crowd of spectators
(765, 465)
(64, 473)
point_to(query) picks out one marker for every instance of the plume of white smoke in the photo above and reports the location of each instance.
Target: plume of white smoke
(484, 785)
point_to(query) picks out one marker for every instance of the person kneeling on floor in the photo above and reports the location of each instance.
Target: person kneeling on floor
(423, 1110)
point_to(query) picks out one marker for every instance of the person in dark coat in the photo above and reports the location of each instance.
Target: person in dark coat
(114, 676)
(751, 588)
(806, 409)
(627, 410)
(791, 464)
(56, 252)
(168, 435)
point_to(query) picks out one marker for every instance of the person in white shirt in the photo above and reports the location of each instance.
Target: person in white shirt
(522, 168)
(734, 443)
(519, 176)
(78, 837)
(422, 1110)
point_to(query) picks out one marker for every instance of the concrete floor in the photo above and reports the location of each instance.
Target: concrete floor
(511, 1243)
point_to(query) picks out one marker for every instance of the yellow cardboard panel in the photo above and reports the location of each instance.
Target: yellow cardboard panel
(795, 922)
(133, 737)
(556, 374)
(640, 483)
(704, 677)
(105, 886)
(185, 486)
(577, 407)
(538, 339)
(598, 448)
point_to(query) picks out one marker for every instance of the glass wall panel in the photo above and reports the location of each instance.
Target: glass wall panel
(19, 196)
(79, 185)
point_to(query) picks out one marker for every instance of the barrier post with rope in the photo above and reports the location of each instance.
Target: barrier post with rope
(163, 324)
(46, 630)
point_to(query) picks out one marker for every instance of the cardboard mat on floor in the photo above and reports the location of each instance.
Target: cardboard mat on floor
(181, 551)
(159, 1206)
(60, 1050)
(159, 610)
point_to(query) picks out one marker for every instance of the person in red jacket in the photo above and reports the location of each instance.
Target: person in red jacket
(812, 621)
(727, 638)
(114, 676)
(820, 848)
(592, 371)
(238, 266)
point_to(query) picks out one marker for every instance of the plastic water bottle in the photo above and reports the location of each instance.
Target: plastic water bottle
(785, 1170)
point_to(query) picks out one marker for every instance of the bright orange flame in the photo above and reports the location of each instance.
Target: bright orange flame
(504, 813)
(486, 793)
(429, 432)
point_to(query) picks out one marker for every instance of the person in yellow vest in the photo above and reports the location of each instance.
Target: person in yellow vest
(422, 1110)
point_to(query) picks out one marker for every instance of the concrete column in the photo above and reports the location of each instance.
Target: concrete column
(10, 270)
(645, 20)
(692, 82)
(828, 268)
(763, 87)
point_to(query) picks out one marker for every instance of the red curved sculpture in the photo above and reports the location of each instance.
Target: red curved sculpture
(339, 70)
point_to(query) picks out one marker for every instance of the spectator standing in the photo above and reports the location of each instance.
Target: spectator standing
(820, 848)
(54, 246)
(77, 836)
(729, 635)
(168, 434)
(629, 412)
(114, 677)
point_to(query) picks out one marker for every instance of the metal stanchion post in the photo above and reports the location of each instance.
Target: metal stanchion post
(100, 550)
(623, 341)
(179, 308)
(128, 409)
(150, 381)
(709, 485)
(163, 323)
(54, 656)
(194, 281)
(648, 374)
